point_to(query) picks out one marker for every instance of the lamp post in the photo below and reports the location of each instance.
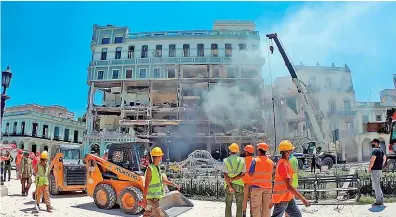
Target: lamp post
(168, 143)
(5, 83)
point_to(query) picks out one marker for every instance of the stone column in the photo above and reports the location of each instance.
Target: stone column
(91, 94)
(359, 148)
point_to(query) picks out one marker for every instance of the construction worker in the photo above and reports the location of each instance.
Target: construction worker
(294, 165)
(42, 182)
(153, 188)
(7, 166)
(283, 192)
(18, 160)
(261, 173)
(25, 173)
(247, 181)
(234, 170)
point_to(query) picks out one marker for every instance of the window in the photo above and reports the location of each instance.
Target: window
(228, 50)
(328, 83)
(144, 51)
(131, 52)
(186, 50)
(118, 53)
(158, 51)
(157, 72)
(215, 50)
(105, 40)
(104, 54)
(365, 118)
(200, 50)
(7, 127)
(66, 135)
(332, 106)
(242, 47)
(142, 73)
(172, 50)
(129, 73)
(378, 118)
(118, 39)
(100, 75)
(15, 128)
(115, 74)
(347, 105)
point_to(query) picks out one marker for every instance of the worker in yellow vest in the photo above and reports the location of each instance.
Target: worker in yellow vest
(234, 170)
(283, 192)
(247, 180)
(261, 173)
(153, 188)
(42, 182)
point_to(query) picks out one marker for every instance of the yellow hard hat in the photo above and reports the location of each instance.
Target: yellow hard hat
(234, 148)
(156, 152)
(44, 155)
(285, 145)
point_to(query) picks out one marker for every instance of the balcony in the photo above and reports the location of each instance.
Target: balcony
(341, 113)
(196, 34)
(374, 127)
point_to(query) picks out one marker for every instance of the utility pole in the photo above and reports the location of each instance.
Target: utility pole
(168, 143)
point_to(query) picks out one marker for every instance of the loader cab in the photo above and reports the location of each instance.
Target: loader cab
(308, 148)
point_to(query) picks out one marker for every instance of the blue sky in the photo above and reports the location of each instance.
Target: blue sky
(47, 44)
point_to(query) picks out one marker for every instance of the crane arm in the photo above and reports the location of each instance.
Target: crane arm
(300, 88)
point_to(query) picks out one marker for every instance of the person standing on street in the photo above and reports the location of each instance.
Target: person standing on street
(294, 165)
(377, 162)
(153, 188)
(7, 166)
(283, 192)
(42, 182)
(261, 172)
(18, 160)
(247, 180)
(234, 170)
(25, 173)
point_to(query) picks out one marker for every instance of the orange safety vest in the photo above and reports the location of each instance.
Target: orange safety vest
(18, 159)
(246, 178)
(262, 175)
(280, 192)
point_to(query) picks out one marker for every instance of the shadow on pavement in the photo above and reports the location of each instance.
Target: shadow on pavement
(377, 208)
(114, 212)
(16, 195)
(69, 195)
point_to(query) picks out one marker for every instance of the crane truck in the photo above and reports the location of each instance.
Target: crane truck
(327, 157)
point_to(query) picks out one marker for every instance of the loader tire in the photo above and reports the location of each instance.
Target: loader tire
(328, 161)
(129, 200)
(104, 196)
(53, 190)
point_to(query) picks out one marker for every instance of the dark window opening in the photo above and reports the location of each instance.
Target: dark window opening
(105, 40)
(144, 51)
(34, 129)
(158, 51)
(103, 56)
(242, 47)
(129, 73)
(75, 136)
(186, 50)
(66, 135)
(172, 50)
(34, 148)
(100, 75)
(56, 133)
(131, 52)
(118, 40)
(7, 128)
(14, 129)
(45, 148)
(228, 50)
(142, 73)
(215, 50)
(23, 128)
(45, 131)
(200, 50)
(115, 74)
(157, 72)
(118, 53)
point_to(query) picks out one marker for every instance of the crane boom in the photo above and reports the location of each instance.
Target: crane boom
(300, 88)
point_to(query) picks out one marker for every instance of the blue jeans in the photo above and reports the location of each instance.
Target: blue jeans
(290, 208)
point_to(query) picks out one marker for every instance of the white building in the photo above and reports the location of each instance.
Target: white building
(157, 81)
(36, 128)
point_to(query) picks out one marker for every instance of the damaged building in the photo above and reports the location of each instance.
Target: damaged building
(181, 90)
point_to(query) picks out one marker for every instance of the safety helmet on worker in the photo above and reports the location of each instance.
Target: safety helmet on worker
(26, 152)
(234, 148)
(285, 145)
(263, 146)
(156, 152)
(20, 151)
(249, 149)
(44, 155)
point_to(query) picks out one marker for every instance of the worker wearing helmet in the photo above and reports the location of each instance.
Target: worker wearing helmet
(153, 188)
(42, 182)
(261, 173)
(234, 170)
(25, 173)
(247, 180)
(283, 192)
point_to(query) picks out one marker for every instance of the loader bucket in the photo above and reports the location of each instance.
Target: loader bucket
(174, 203)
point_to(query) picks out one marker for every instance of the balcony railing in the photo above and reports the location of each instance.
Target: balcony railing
(197, 33)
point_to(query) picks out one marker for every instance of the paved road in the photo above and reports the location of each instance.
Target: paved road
(73, 205)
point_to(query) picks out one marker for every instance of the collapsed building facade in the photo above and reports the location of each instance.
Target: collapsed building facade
(181, 90)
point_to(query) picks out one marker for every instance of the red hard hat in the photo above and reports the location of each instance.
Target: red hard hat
(19, 151)
(249, 148)
(263, 146)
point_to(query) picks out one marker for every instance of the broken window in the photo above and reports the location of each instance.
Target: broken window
(242, 47)
(115, 74)
(129, 73)
(158, 51)
(118, 39)
(171, 74)
(103, 56)
(186, 50)
(105, 40)
(157, 73)
(118, 53)
(144, 51)
(100, 75)
(200, 50)
(228, 50)
(142, 73)
(131, 52)
(172, 50)
(215, 50)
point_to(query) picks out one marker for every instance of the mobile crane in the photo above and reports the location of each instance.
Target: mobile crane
(327, 157)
